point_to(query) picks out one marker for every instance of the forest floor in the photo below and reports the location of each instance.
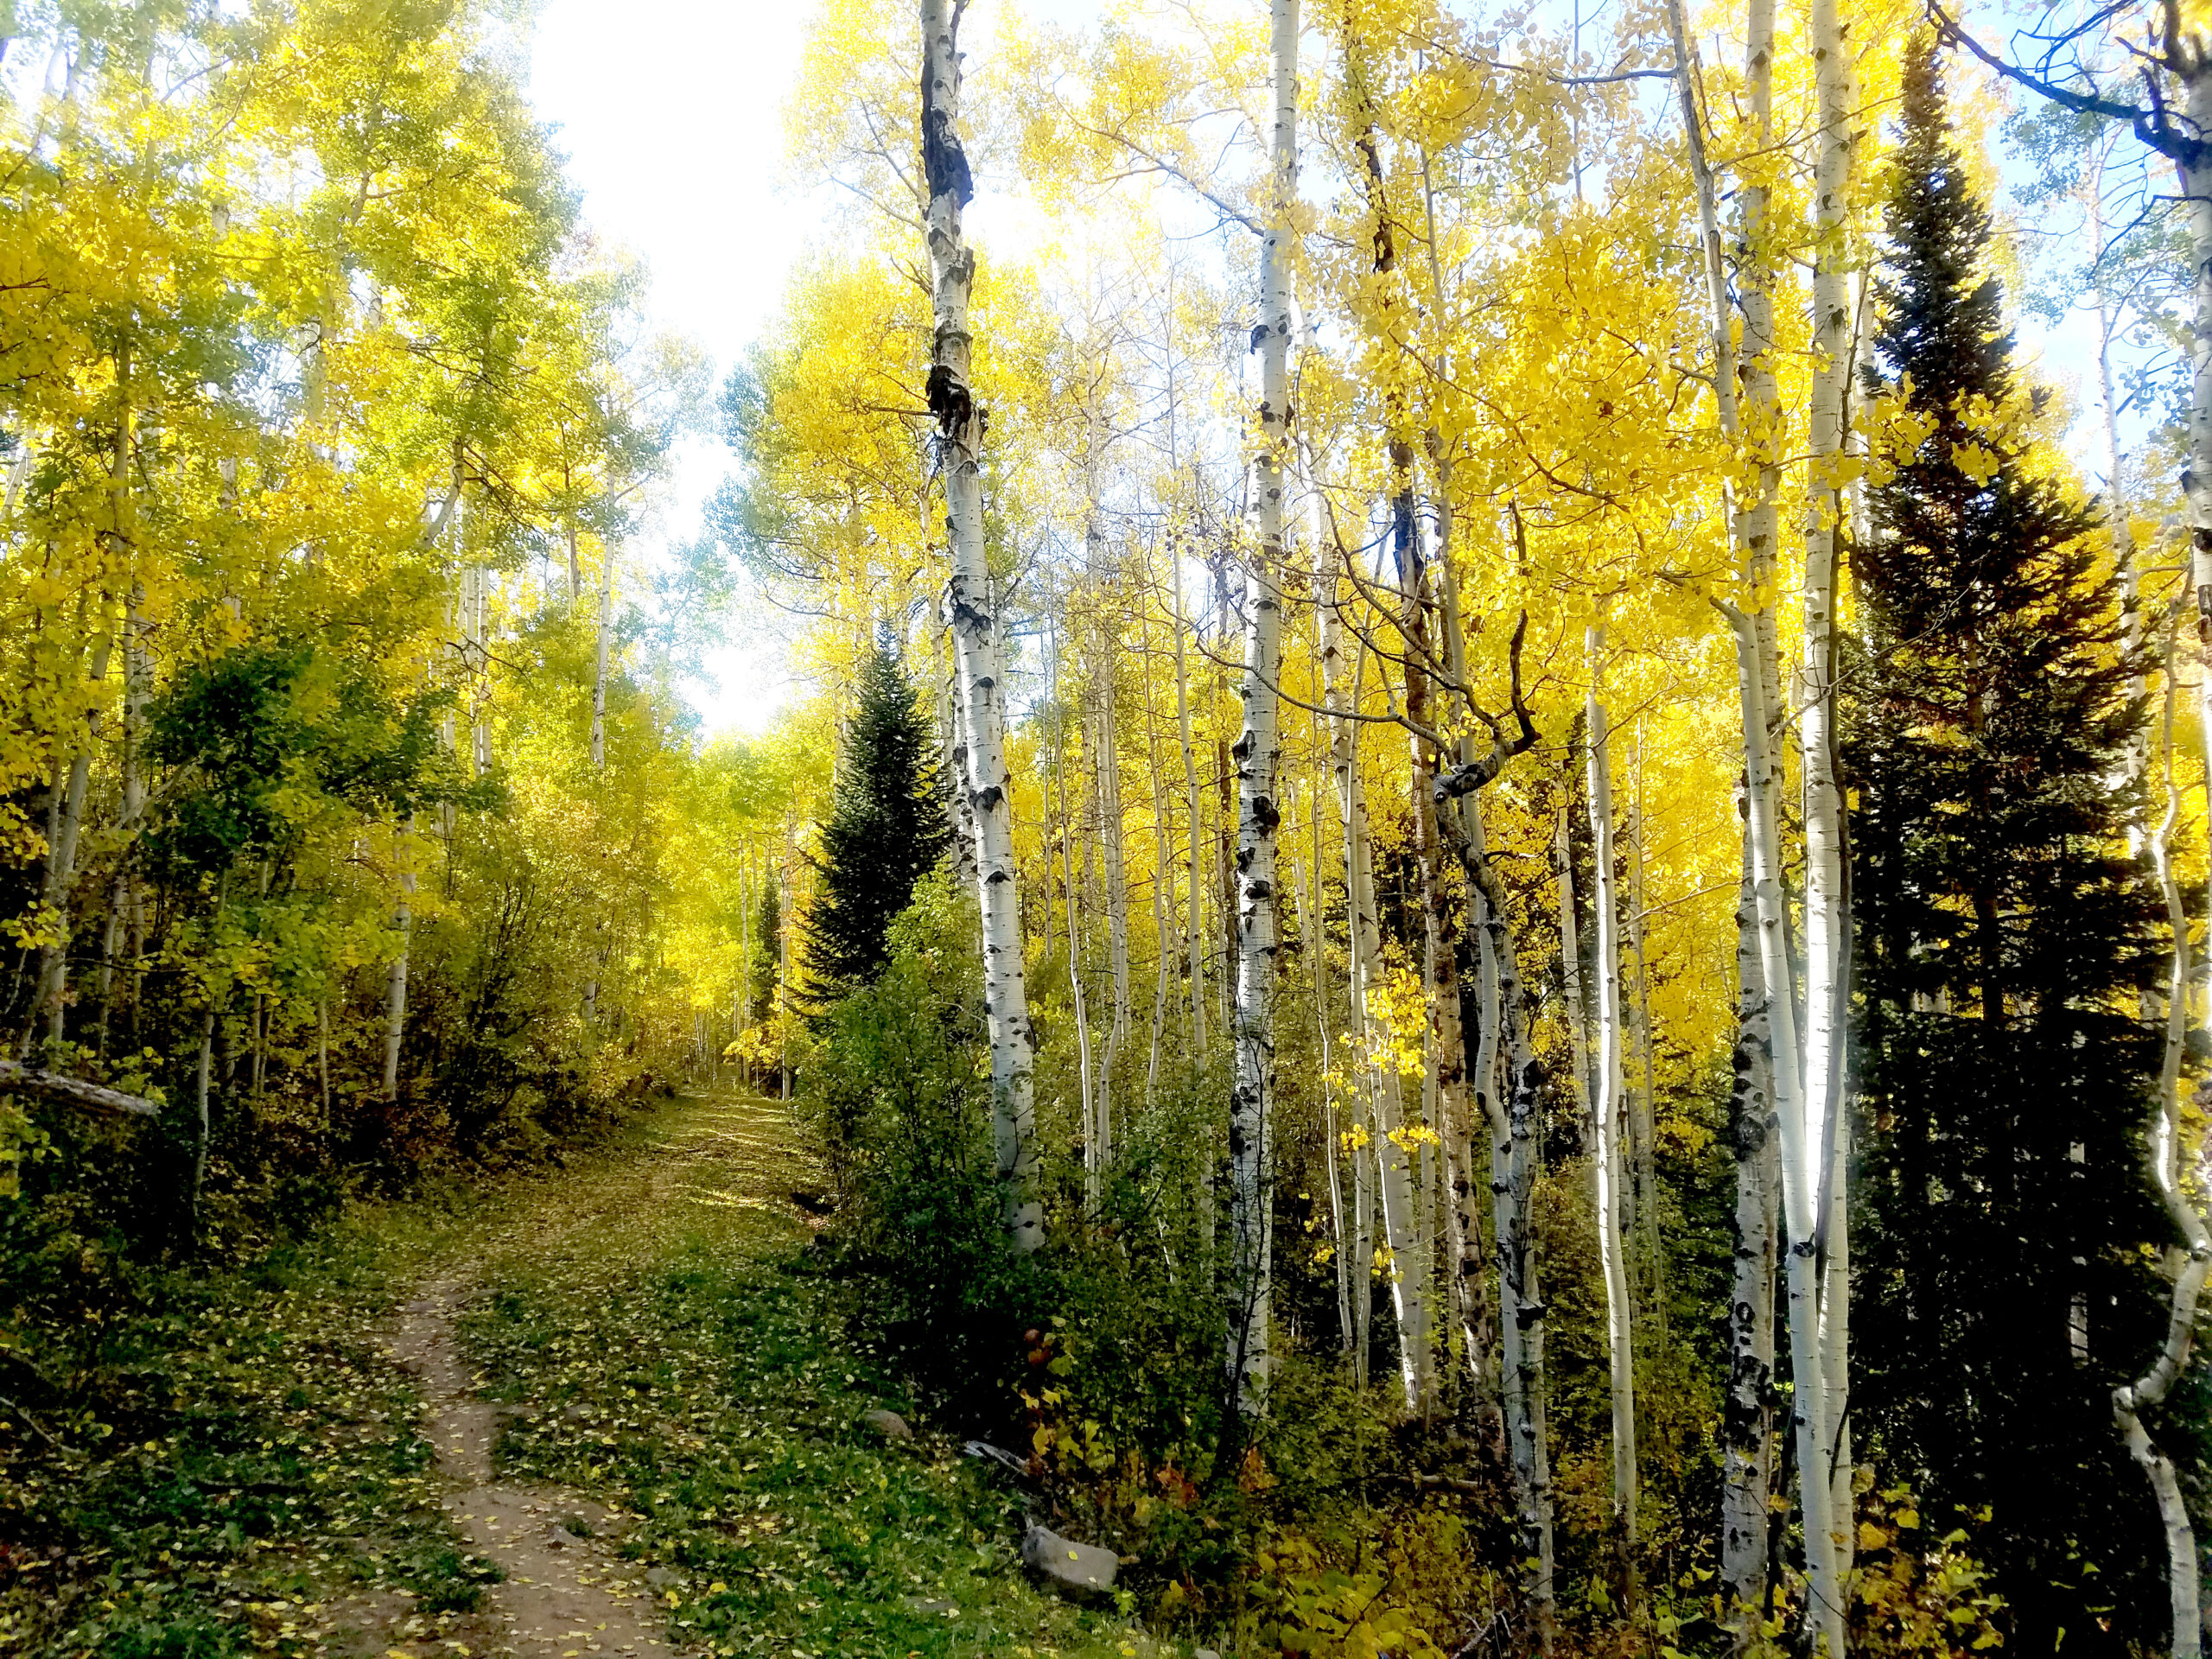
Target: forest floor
(609, 1410)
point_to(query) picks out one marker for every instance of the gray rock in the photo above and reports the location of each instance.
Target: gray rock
(889, 1424)
(1203, 1653)
(1075, 1572)
(660, 1577)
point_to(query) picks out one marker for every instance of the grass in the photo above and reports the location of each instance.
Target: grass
(236, 1466)
(243, 1473)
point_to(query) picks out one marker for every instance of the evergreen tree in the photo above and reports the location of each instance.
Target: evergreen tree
(767, 953)
(2001, 934)
(886, 828)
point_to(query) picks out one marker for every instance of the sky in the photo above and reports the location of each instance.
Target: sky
(670, 112)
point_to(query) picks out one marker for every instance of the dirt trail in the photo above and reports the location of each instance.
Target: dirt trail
(565, 1593)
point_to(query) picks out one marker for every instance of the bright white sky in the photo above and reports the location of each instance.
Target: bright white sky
(671, 115)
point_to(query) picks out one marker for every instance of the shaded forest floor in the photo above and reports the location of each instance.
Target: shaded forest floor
(609, 1409)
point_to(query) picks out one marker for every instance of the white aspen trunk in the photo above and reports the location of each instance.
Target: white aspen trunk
(322, 1057)
(1163, 882)
(976, 634)
(200, 1089)
(1802, 1206)
(1445, 1074)
(1091, 1183)
(599, 660)
(1099, 566)
(1517, 1158)
(1827, 943)
(1747, 1411)
(1641, 1193)
(2162, 1148)
(1606, 1107)
(2196, 179)
(61, 863)
(1316, 938)
(1479, 1092)
(1394, 1168)
(1344, 765)
(1193, 915)
(1576, 1008)
(403, 921)
(1251, 1151)
(1747, 1432)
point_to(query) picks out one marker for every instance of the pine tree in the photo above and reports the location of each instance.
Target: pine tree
(762, 971)
(2000, 932)
(886, 828)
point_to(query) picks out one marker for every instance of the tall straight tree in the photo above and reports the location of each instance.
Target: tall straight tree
(2001, 932)
(1253, 1031)
(960, 425)
(886, 828)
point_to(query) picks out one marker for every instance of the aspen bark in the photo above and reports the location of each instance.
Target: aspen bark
(1747, 1408)
(1099, 568)
(1516, 1157)
(1251, 1130)
(1801, 1200)
(1607, 1113)
(1827, 942)
(2196, 179)
(395, 1023)
(52, 992)
(2162, 1150)
(599, 660)
(1576, 1008)
(1316, 938)
(1194, 923)
(1447, 1073)
(1747, 1427)
(1387, 1141)
(1344, 765)
(960, 424)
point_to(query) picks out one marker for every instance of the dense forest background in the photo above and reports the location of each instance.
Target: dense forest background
(1483, 908)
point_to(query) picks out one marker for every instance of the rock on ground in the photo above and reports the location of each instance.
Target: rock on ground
(1072, 1570)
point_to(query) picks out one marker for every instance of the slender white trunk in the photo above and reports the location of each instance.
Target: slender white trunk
(1317, 945)
(1360, 933)
(61, 862)
(1446, 1075)
(402, 919)
(1099, 568)
(2162, 1155)
(1747, 1409)
(1517, 1158)
(1193, 918)
(1389, 1141)
(1802, 1206)
(1251, 1152)
(1607, 1115)
(1577, 1008)
(1827, 943)
(975, 627)
(1163, 884)
(2196, 179)
(599, 660)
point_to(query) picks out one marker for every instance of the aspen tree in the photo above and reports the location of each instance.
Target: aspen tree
(1251, 1130)
(960, 426)
(1607, 1114)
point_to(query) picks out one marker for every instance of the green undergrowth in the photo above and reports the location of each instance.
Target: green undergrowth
(688, 1364)
(225, 1465)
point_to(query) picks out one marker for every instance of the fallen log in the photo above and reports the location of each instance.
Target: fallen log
(16, 1079)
